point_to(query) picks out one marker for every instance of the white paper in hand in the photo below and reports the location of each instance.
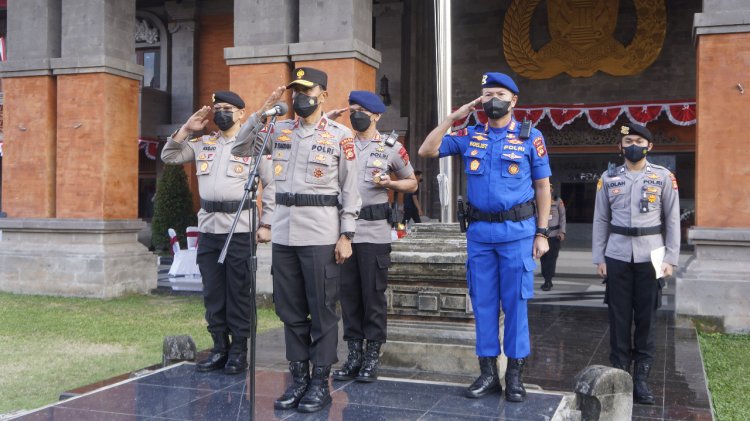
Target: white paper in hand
(657, 258)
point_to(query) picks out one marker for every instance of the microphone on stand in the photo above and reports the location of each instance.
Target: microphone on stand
(279, 109)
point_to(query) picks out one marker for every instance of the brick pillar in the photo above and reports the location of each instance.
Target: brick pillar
(714, 287)
(30, 109)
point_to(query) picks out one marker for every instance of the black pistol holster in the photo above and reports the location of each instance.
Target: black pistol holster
(463, 220)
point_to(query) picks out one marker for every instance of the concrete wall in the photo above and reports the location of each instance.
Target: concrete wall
(477, 47)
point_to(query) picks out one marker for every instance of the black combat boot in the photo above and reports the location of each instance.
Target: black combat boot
(547, 285)
(641, 392)
(369, 371)
(488, 381)
(237, 359)
(353, 362)
(300, 371)
(514, 390)
(317, 396)
(621, 366)
(218, 357)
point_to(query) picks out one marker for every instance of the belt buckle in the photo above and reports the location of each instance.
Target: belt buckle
(632, 231)
(289, 199)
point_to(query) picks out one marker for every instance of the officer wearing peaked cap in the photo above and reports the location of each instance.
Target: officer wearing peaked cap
(636, 211)
(509, 196)
(317, 204)
(221, 183)
(364, 277)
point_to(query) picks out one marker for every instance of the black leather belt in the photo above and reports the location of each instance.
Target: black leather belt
(375, 212)
(225, 207)
(556, 227)
(635, 231)
(293, 199)
(516, 213)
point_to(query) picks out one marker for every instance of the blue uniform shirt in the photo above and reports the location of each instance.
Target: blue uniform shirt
(500, 168)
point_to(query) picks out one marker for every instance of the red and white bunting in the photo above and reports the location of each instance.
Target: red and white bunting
(149, 146)
(599, 116)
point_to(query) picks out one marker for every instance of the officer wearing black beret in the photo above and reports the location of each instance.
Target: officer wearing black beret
(221, 183)
(637, 211)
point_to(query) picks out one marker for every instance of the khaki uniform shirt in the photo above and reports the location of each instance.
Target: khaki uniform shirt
(375, 157)
(222, 177)
(557, 217)
(317, 159)
(618, 201)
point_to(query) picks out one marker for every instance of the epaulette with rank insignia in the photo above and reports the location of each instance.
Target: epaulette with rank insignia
(195, 139)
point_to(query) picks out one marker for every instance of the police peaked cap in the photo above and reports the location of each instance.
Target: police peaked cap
(229, 97)
(308, 77)
(368, 101)
(495, 79)
(636, 129)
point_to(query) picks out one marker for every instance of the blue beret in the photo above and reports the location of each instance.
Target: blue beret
(368, 101)
(495, 79)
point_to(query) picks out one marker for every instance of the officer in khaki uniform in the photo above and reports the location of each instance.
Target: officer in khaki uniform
(364, 276)
(317, 204)
(556, 236)
(637, 211)
(221, 180)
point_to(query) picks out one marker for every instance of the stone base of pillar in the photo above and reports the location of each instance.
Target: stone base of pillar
(713, 289)
(430, 318)
(74, 257)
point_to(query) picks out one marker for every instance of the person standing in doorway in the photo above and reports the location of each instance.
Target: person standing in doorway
(556, 237)
(412, 206)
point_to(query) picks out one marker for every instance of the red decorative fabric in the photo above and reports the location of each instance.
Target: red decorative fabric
(603, 118)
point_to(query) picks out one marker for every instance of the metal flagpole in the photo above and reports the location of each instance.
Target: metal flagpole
(443, 73)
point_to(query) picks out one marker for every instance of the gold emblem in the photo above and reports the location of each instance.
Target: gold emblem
(380, 149)
(317, 173)
(213, 97)
(279, 154)
(599, 185)
(320, 157)
(474, 152)
(484, 79)
(583, 39)
(300, 73)
(651, 198)
(474, 165)
(513, 169)
(238, 169)
(624, 130)
(324, 142)
(377, 163)
(286, 131)
(652, 176)
(652, 189)
(202, 156)
(283, 138)
(376, 176)
(277, 169)
(204, 166)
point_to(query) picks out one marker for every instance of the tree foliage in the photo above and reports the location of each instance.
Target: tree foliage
(173, 207)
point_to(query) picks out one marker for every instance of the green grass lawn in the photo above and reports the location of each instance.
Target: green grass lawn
(727, 361)
(50, 344)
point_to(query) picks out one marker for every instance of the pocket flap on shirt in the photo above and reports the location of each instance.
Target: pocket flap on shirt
(529, 263)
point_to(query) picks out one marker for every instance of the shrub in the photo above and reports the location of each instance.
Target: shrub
(173, 207)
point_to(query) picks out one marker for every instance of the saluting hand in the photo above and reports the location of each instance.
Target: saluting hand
(197, 121)
(335, 114)
(343, 249)
(541, 246)
(465, 110)
(272, 99)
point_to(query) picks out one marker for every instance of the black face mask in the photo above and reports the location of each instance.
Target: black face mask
(496, 108)
(360, 121)
(635, 153)
(224, 120)
(304, 105)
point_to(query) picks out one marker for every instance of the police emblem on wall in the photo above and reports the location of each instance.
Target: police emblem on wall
(583, 39)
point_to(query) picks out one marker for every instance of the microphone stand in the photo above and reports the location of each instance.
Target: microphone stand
(251, 189)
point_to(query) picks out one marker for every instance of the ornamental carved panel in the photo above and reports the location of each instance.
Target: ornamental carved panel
(582, 40)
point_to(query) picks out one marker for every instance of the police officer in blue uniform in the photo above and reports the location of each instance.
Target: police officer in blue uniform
(509, 196)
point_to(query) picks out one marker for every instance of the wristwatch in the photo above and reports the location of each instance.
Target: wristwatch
(348, 234)
(543, 232)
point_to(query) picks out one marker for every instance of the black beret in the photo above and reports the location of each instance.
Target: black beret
(636, 129)
(229, 97)
(308, 77)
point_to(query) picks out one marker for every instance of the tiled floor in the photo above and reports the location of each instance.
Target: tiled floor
(181, 393)
(569, 332)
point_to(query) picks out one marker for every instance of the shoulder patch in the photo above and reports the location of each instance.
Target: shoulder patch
(404, 155)
(347, 147)
(674, 180)
(539, 146)
(599, 184)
